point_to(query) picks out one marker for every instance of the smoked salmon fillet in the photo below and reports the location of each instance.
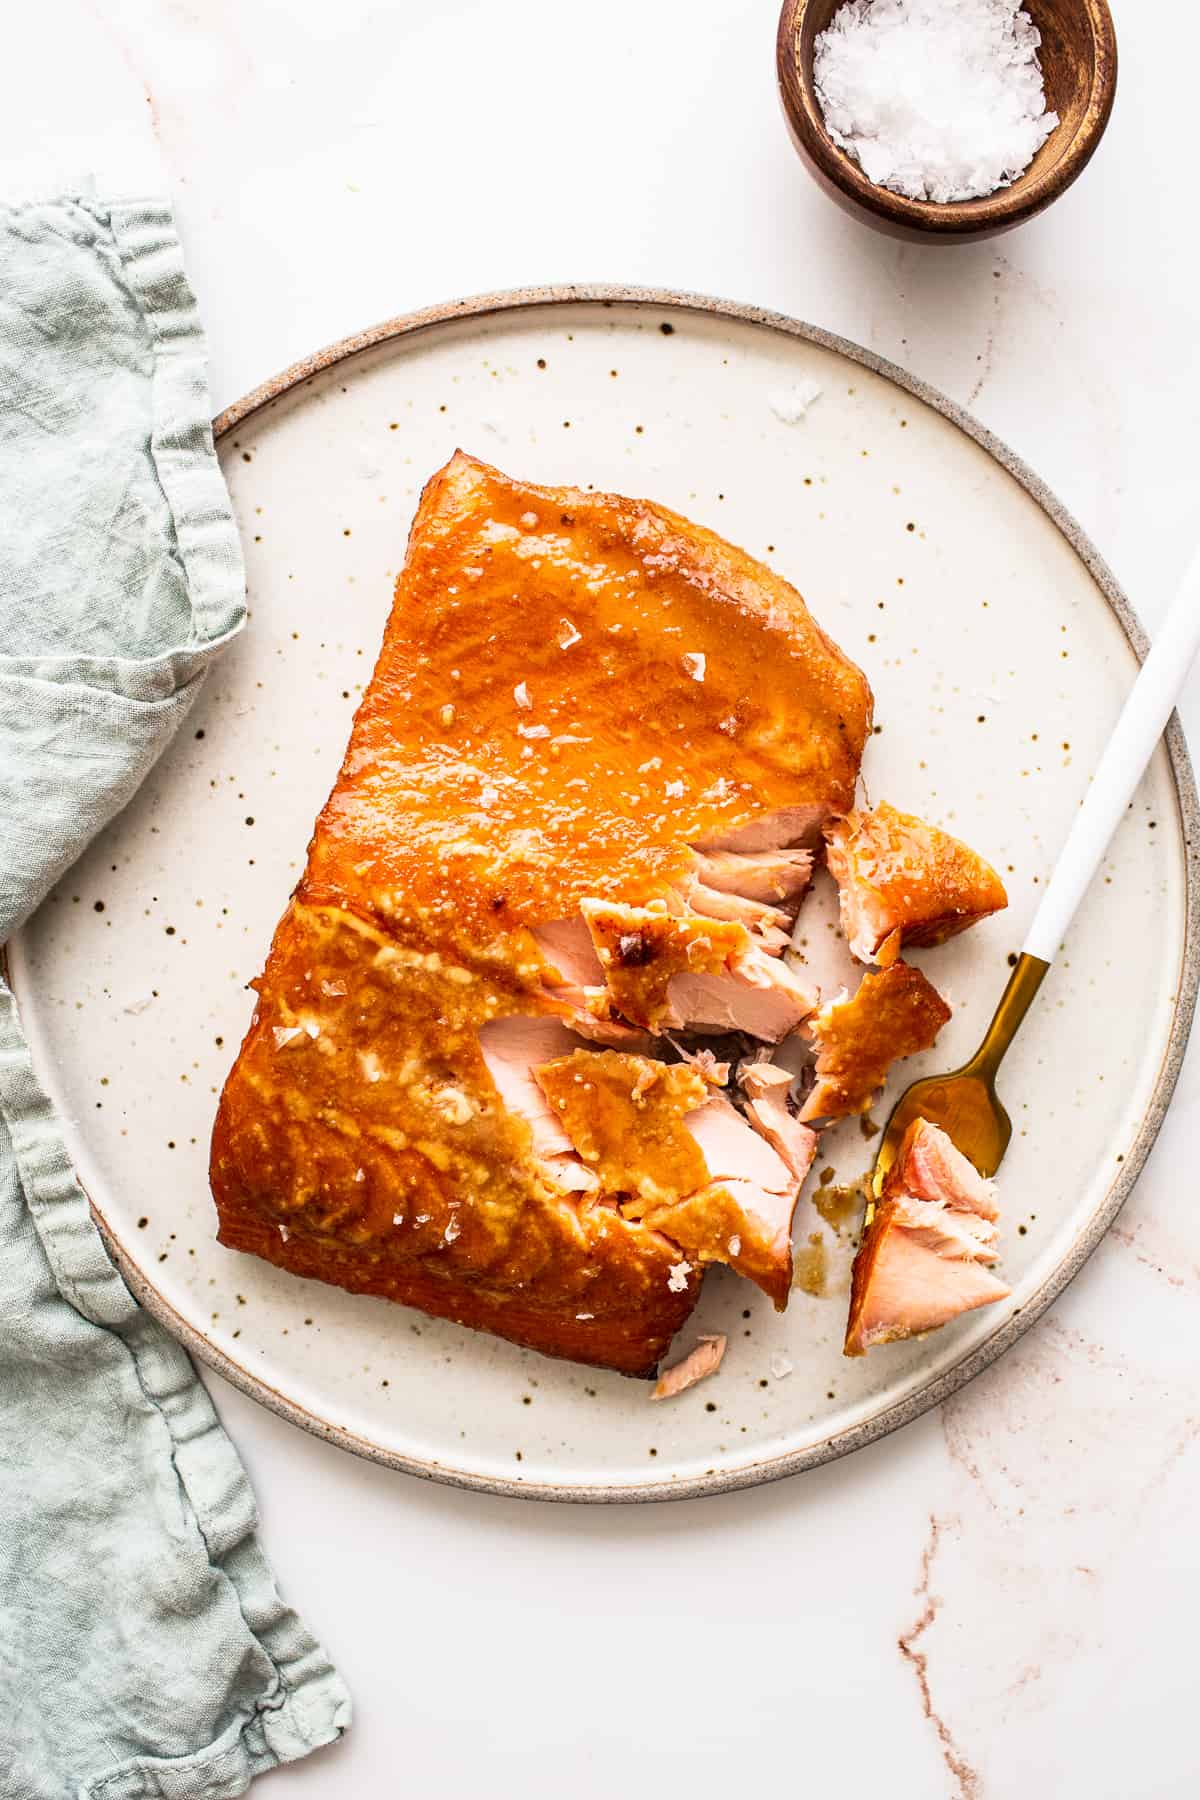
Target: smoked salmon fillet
(577, 809)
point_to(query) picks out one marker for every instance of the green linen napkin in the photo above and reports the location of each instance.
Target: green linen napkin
(144, 1649)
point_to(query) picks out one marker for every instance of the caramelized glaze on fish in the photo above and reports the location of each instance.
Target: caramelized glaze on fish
(901, 881)
(569, 739)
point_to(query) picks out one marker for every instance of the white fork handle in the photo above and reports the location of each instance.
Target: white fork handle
(1141, 724)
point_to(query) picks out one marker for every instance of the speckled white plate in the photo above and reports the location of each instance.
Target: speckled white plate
(999, 650)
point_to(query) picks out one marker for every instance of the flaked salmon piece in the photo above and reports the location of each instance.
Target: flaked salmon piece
(721, 1223)
(567, 944)
(894, 1013)
(948, 1230)
(768, 1107)
(512, 1048)
(667, 971)
(706, 1063)
(770, 925)
(760, 995)
(683, 1163)
(925, 1255)
(743, 1216)
(704, 1359)
(570, 1173)
(905, 1284)
(591, 1016)
(938, 1171)
(642, 949)
(625, 1115)
(734, 1151)
(896, 874)
(761, 890)
(776, 877)
(784, 828)
(579, 990)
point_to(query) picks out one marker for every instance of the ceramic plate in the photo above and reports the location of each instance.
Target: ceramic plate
(999, 650)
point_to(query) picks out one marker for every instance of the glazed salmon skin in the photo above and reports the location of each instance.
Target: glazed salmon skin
(570, 706)
(893, 1013)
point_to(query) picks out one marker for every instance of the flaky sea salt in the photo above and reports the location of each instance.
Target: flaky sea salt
(677, 1278)
(936, 99)
(791, 403)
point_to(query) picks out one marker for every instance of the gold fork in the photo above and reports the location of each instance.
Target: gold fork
(964, 1102)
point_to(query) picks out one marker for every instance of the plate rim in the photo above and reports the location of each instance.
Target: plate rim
(912, 1406)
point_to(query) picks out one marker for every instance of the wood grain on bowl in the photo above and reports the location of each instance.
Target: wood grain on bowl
(1079, 68)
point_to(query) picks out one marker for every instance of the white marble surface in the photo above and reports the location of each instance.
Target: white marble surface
(997, 1601)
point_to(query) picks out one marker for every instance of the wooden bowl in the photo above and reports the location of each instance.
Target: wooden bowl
(1079, 67)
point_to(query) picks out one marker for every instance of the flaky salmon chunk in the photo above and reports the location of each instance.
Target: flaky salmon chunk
(894, 1012)
(581, 702)
(901, 881)
(926, 1255)
(666, 971)
(680, 1158)
(770, 1111)
(699, 1363)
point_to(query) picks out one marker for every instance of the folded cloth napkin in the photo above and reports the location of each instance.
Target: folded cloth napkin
(144, 1649)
